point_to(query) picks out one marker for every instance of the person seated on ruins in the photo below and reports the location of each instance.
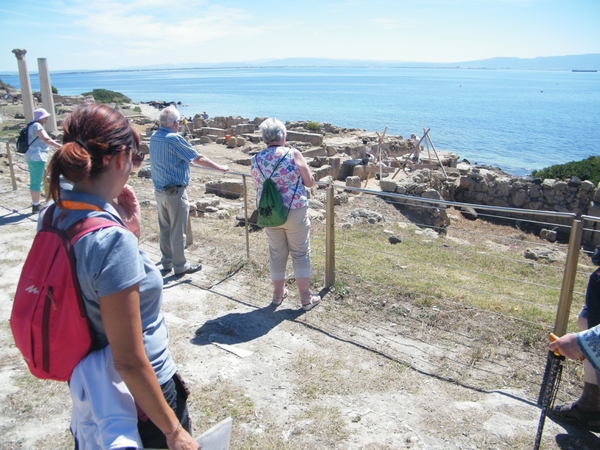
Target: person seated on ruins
(369, 158)
(417, 147)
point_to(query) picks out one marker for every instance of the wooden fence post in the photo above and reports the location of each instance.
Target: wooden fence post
(246, 218)
(566, 290)
(12, 169)
(329, 239)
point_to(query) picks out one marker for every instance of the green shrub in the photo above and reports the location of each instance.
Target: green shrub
(312, 126)
(137, 109)
(587, 169)
(54, 90)
(106, 96)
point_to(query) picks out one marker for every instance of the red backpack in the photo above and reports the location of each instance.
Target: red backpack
(48, 318)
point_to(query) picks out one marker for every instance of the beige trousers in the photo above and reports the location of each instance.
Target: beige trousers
(293, 237)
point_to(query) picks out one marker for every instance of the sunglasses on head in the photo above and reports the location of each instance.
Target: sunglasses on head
(137, 158)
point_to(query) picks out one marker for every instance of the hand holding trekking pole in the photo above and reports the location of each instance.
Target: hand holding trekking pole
(560, 348)
(566, 346)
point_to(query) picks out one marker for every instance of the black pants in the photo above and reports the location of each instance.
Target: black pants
(592, 299)
(176, 393)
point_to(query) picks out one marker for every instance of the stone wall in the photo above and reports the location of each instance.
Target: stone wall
(494, 188)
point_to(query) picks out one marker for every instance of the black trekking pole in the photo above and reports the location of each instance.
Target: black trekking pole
(549, 389)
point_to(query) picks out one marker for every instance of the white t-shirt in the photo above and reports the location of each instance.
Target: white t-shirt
(38, 149)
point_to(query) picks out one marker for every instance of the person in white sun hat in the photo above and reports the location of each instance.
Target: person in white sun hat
(37, 155)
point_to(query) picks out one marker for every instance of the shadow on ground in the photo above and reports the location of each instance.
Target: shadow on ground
(235, 328)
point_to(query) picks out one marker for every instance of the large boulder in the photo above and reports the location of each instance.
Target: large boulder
(312, 138)
(228, 188)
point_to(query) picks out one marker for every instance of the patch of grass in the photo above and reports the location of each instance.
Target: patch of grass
(231, 266)
(440, 272)
(108, 96)
(7, 135)
(312, 126)
(219, 400)
(324, 423)
(331, 373)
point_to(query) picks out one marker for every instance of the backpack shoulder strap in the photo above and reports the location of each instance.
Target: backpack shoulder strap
(259, 169)
(81, 227)
(48, 216)
(27, 134)
(274, 169)
(87, 225)
(294, 194)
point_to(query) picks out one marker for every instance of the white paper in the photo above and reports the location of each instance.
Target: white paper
(217, 437)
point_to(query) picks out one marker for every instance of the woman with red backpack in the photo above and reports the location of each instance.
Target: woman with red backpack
(121, 287)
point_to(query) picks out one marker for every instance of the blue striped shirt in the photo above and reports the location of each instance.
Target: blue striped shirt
(170, 158)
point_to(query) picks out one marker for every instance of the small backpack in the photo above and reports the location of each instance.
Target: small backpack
(23, 139)
(48, 318)
(271, 210)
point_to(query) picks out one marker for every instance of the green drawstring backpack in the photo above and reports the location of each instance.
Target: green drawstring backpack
(271, 210)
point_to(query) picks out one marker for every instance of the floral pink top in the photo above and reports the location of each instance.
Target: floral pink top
(286, 176)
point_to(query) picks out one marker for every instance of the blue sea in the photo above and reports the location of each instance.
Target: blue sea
(517, 120)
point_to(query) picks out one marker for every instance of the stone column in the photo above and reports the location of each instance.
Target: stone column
(47, 97)
(25, 84)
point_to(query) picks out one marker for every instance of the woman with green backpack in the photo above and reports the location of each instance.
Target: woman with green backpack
(287, 169)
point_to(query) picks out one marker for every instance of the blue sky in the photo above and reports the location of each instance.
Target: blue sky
(109, 34)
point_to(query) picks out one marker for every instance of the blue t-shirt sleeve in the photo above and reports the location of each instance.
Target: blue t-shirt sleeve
(113, 261)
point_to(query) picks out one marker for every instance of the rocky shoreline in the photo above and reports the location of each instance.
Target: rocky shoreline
(339, 154)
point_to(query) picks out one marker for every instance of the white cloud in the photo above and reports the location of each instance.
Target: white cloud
(139, 26)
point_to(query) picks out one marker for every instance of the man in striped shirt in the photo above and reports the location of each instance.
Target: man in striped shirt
(170, 159)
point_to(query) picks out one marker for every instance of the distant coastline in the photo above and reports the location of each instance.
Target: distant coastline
(586, 62)
(248, 67)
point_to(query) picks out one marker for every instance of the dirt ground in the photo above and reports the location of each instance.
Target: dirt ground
(290, 379)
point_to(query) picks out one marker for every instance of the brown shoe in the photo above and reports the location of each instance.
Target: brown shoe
(573, 415)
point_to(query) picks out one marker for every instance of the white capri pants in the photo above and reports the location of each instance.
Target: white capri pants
(293, 237)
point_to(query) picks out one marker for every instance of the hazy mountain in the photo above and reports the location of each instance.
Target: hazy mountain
(569, 62)
(585, 62)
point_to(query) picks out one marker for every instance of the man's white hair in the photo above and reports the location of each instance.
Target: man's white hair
(168, 116)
